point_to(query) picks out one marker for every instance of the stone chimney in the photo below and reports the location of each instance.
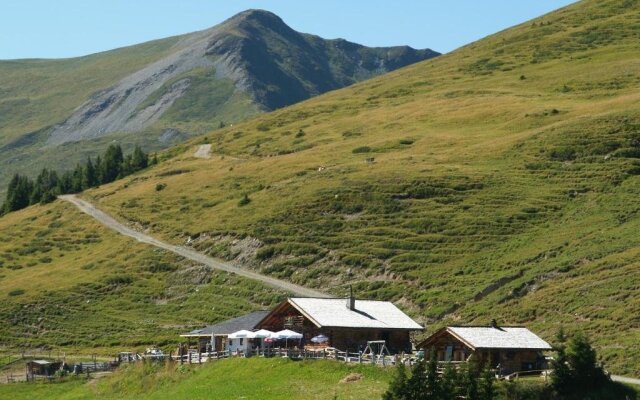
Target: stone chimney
(351, 301)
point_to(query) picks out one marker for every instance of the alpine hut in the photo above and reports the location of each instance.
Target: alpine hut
(348, 323)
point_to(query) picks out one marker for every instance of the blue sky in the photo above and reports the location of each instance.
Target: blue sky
(66, 28)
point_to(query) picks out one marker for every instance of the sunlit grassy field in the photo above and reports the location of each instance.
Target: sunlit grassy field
(228, 379)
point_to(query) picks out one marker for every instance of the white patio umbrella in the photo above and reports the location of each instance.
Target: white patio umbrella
(286, 335)
(242, 334)
(262, 333)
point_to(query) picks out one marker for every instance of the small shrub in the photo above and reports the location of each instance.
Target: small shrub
(46, 260)
(563, 154)
(244, 200)
(16, 292)
(265, 253)
(300, 133)
(172, 172)
(160, 186)
(406, 141)
(361, 149)
(119, 280)
(161, 267)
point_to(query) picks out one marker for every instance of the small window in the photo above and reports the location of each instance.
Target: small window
(230, 342)
(241, 341)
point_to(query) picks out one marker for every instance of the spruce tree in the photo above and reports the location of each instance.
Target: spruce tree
(65, 183)
(585, 373)
(111, 166)
(561, 377)
(90, 175)
(127, 167)
(77, 179)
(486, 386)
(18, 193)
(417, 382)
(98, 168)
(397, 388)
(140, 159)
(471, 374)
(432, 383)
(449, 387)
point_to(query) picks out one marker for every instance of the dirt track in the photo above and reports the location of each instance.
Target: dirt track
(111, 223)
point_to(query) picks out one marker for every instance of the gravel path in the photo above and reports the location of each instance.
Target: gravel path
(111, 223)
(203, 151)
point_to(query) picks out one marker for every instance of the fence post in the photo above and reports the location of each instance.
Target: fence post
(359, 357)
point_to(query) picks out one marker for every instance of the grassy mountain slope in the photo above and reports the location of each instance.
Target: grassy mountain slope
(498, 181)
(55, 113)
(65, 281)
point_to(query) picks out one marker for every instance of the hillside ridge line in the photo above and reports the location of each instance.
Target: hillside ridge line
(111, 223)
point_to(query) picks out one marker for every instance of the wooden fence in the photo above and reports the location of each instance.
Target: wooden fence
(194, 357)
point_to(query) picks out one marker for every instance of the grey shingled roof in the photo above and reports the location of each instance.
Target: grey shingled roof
(367, 314)
(247, 322)
(499, 338)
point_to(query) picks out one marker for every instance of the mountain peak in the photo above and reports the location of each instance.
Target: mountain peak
(253, 16)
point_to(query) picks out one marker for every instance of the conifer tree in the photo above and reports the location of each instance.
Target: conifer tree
(397, 387)
(111, 166)
(98, 167)
(65, 183)
(417, 382)
(18, 193)
(561, 377)
(140, 159)
(449, 387)
(90, 176)
(127, 167)
(432, 384)
(486, 385)
(77, 179)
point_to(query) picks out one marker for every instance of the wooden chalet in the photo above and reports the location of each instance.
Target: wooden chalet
(348, 323)
(510, 349)
(214, 337)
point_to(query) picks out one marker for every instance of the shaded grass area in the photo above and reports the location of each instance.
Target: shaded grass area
(228, 379)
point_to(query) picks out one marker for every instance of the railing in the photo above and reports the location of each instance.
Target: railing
(194, 357)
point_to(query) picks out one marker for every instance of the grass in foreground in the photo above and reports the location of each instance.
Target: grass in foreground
(265, 379)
